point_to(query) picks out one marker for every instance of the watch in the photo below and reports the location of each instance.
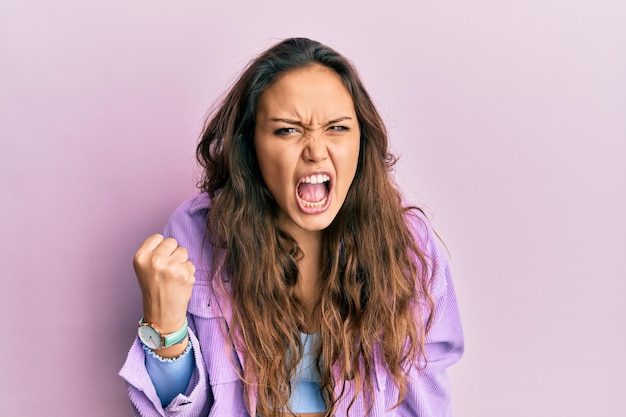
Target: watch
(152, 337)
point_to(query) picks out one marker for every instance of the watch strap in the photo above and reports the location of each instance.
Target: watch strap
(169, 339)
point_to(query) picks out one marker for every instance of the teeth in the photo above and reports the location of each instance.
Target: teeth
(317, 204)
(316, 179)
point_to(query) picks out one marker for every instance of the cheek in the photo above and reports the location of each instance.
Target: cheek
(349, 157)
(275, 170)
(353, 161)
(265, 158)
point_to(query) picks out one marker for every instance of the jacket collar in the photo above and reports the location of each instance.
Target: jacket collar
(201, 202)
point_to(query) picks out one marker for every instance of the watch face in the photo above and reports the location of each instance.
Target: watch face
(150, 337)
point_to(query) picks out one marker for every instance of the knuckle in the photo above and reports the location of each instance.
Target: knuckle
(191, 270)
(170, 241)
(158, 263)
(139, 260)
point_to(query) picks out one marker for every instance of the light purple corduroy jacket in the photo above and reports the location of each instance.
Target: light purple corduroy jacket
(215, 388)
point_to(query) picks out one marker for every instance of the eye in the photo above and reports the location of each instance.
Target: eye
(284, 131)
(338, 128)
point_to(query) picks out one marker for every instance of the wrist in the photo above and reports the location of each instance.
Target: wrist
(165, 325)
(165, 317)
(172, 352)
(155, 338)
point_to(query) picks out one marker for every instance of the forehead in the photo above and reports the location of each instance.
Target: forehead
(310, 92)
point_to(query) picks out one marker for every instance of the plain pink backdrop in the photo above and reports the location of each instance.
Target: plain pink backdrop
(509, 117)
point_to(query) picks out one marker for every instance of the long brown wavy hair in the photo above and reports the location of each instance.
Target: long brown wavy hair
(374, 284)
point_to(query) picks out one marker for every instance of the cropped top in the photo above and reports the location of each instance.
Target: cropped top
(306, 394)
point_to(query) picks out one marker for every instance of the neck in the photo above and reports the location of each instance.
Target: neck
(307, 290)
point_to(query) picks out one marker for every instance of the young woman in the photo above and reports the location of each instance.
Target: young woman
(298, 282)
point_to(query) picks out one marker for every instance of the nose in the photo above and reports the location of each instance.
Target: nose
(315, 148)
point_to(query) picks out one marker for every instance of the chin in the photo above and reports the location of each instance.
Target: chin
(317, 223)
(315, 226)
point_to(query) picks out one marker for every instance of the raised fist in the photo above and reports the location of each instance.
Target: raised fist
(166, 278)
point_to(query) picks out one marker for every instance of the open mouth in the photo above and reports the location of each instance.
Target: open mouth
(313, 192)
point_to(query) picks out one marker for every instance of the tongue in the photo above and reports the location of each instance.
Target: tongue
(312, 192)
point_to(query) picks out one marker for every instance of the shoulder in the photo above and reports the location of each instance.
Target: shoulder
(430, 244)
(188, 224)
(190, 213)
(419, 225)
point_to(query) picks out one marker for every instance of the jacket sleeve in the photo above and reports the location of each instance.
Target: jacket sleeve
(428, 393)
(187, 225)
(143, 397)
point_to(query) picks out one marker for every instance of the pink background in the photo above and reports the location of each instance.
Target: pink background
(509, 117)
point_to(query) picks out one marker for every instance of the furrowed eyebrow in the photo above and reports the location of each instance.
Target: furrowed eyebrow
(288, 121)
(298, 123)
(341, 119)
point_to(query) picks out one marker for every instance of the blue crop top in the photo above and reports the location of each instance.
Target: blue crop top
(306, 394)
(171, 377)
